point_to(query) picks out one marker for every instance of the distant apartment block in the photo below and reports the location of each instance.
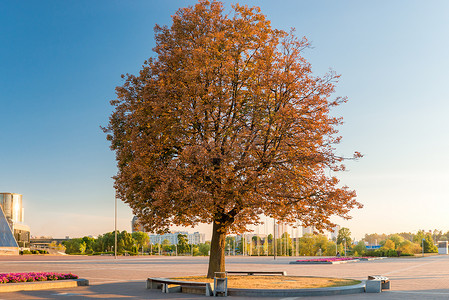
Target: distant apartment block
(193, 238)
(334, 233)
(13, 232)
(172, 238)
(294, 231)
(307, 230)
(196, 238)
(330, 234)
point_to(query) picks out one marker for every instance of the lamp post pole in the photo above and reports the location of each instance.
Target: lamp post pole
(345, 245)
(115, 227)
(274, 239)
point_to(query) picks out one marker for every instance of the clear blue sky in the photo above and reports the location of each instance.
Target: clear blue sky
(61, 60)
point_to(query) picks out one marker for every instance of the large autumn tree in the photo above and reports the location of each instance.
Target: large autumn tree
(225, 123)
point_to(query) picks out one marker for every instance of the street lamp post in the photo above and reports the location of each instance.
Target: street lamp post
(274, 239)
(115, 226)
(344, 240)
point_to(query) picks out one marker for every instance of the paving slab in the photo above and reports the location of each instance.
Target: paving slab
(124, 278)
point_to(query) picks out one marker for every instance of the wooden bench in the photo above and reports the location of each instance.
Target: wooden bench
(281, 273)
(163, 284)
(377, 283)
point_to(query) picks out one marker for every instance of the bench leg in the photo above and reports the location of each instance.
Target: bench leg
(153, 285)
(209, 290)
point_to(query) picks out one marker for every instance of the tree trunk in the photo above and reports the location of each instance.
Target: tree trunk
(217, 250)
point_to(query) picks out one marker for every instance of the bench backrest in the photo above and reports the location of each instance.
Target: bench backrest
(378, 277)
(178, 282)
(283, 273)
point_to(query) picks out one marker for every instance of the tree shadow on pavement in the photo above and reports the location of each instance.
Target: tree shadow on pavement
(117, 290)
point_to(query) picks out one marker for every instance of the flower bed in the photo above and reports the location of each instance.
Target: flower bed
(328, 259)
(34, 276)
(333, 260)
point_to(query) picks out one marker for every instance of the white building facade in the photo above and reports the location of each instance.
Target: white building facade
(172, 238)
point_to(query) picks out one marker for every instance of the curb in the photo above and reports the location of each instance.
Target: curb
(341, 290)
(42, 285)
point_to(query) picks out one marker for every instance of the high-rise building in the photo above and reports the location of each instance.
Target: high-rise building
(13, 232)
(135, 225)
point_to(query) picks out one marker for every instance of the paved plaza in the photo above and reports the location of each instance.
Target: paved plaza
(124, 278)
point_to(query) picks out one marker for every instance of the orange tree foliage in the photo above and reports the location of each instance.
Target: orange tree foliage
(224, 124)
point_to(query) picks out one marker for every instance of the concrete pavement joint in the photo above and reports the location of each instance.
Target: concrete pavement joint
(426, 278)
(419, 293)
(112, 280)
(410, 268)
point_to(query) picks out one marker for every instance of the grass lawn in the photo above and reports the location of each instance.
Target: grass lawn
(277, 282)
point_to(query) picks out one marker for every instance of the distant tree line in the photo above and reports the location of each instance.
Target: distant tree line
(126, 243)
(307, 245)
(132, 244)
(399, 244)
(404, 243)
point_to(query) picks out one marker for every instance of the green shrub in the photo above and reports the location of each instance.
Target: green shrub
(391, 253)
(360, 249)
(127, 253)
(383, 253)
(103, 253)
(376, 253)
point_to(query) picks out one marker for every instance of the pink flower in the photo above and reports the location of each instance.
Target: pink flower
(34, 276)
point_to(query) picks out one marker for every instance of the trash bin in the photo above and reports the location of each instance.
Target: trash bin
(220, 284)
